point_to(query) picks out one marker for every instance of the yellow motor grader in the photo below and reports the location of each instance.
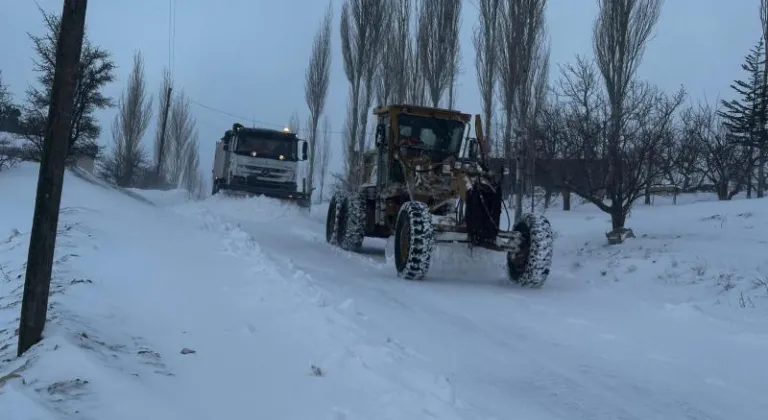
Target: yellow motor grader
(427, 182)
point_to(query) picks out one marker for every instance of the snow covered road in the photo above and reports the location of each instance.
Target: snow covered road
(568, 351)
(237, 308)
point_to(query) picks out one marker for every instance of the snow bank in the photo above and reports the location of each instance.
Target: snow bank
(157, 317)
(634, 331)
(706, 252)
(162, 198)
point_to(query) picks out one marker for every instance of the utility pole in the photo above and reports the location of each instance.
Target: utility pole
(42, 241)
(161, 152)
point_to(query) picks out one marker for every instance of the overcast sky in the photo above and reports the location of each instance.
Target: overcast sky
(248, 57)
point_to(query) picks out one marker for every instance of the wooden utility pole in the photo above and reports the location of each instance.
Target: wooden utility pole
(161, 152)
(42, 241)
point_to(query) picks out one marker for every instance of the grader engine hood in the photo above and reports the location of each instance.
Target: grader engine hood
(431, 179)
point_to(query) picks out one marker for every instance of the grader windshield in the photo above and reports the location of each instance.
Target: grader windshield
(441, 137)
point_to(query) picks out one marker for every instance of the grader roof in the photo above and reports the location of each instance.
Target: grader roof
(448, 114)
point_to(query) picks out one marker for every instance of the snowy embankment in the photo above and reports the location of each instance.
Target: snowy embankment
(157, 316)
(670, 325)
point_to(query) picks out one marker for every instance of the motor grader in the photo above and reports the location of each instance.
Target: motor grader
(427, 182)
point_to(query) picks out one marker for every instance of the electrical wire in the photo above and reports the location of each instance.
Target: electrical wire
(244, 118)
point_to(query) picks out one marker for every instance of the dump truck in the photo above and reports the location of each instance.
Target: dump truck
(261, 161)
(427, 182)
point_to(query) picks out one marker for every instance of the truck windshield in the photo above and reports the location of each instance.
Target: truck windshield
(440, 136)
(267, 148)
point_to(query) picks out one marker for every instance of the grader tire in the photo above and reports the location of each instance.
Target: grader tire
(332, 220)
(530, 264)
(351, 222)
(414, 240)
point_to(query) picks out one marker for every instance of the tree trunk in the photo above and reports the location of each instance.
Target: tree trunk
(761, 171)
(566, 200)
(312, 156)
(649, 182)
(618, 217)
(722, 191)
(352, 133)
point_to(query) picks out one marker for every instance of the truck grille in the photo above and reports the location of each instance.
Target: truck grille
(268, 174)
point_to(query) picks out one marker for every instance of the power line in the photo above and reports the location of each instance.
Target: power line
(253, 120)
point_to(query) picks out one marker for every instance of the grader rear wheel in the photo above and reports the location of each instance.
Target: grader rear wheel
(332, 220)
(345, 223)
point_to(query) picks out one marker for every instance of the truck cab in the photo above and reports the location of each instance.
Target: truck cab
(260, 161)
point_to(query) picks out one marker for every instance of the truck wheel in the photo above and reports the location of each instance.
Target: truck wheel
(332, 220)
(529, 265)
(414, 240)
(215, 188)
(350, 226)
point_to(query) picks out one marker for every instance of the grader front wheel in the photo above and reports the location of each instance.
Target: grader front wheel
(414, 240)
(529, 265)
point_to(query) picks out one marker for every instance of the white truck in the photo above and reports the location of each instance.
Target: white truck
(261, 161)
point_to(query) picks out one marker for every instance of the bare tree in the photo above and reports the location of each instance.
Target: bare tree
(438, 45)
(162, 150)
(401, 25)
(647, 130)
(316, 83)
(684, 158)
(484, 40)
(181, 129)
(5, 96)
(550, 134)
(620, 34)
(192, 178)
(523, 67)
(763, 151)
(361, 28)
(324, 153)
(348, 143)
(294, 124)
(387, 73)
(134, 113)
(520, 27)
(454, 49)
(724, 161)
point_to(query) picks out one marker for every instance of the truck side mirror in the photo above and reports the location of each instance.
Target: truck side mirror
(381, 135)
(304, 150)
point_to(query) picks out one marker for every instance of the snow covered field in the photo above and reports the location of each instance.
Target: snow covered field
(238, 309)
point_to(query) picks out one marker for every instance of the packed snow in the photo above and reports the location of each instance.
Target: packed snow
(167, 308)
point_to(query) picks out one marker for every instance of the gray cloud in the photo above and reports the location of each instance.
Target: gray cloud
(248, 57)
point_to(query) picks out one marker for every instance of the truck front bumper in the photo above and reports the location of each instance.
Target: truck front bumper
(268, 191)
